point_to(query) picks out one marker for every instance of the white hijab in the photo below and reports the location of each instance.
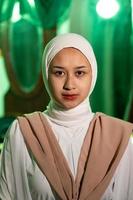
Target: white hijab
(82, 111)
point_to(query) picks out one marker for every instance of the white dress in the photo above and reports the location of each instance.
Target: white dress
(21, 179)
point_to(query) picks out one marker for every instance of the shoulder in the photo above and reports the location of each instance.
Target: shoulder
(126, 162)
(13, 137)
(30, 117)
(103, 115)
(113, 120)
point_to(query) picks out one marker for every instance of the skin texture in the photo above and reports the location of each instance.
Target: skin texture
(69, 78)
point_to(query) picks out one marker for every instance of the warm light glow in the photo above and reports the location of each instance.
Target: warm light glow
(16, 12)
(107, 8)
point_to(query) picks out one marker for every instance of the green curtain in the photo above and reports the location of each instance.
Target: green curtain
(52, 12)
(6, 7)
(21, 32)
(111, 40)
(24, 23)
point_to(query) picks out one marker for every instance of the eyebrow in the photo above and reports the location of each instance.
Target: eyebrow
(78, 67)
(54, 66)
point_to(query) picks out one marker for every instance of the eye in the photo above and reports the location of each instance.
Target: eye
(80, 73)
(59, 73)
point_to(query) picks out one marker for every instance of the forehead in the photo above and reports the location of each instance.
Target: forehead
(70, 53)
(69, 50)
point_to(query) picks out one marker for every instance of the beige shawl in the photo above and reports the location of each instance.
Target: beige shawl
(102, 149)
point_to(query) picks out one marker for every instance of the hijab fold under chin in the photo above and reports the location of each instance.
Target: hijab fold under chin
(73, 117)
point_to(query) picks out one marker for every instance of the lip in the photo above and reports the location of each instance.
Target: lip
(70, 96)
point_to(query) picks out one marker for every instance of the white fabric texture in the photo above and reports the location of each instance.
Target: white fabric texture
(69, 118)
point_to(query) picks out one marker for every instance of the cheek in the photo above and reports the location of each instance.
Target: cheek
(84, 90)
(85, 85)
(51, 87)
(51, 82)
(88, 83)
(54, 87)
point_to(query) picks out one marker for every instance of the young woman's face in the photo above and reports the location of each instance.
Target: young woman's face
(69, 78)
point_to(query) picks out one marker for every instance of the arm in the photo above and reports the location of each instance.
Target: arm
(13, 170)
(124, 175)
(121, 185)
(7, 185)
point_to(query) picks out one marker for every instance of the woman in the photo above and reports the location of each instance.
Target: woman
(68, 152)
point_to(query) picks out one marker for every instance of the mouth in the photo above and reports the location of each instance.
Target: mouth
(70, 96)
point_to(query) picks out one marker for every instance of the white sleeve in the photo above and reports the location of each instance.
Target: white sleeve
(7, 189)
(123, 188)
(121, 185)
(13, 169)
(125, 177)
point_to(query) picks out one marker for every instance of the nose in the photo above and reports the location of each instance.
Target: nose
(69, 83)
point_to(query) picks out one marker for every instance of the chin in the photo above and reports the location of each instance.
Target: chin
(68, 106)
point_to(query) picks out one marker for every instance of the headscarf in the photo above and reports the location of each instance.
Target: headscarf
(68, 40)
(81, 113)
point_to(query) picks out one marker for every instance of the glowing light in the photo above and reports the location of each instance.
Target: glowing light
(4, 84)
(1, 146)
(16, 12)
(31, 2)
(132, 138)
(63, 27)
(107, 9)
